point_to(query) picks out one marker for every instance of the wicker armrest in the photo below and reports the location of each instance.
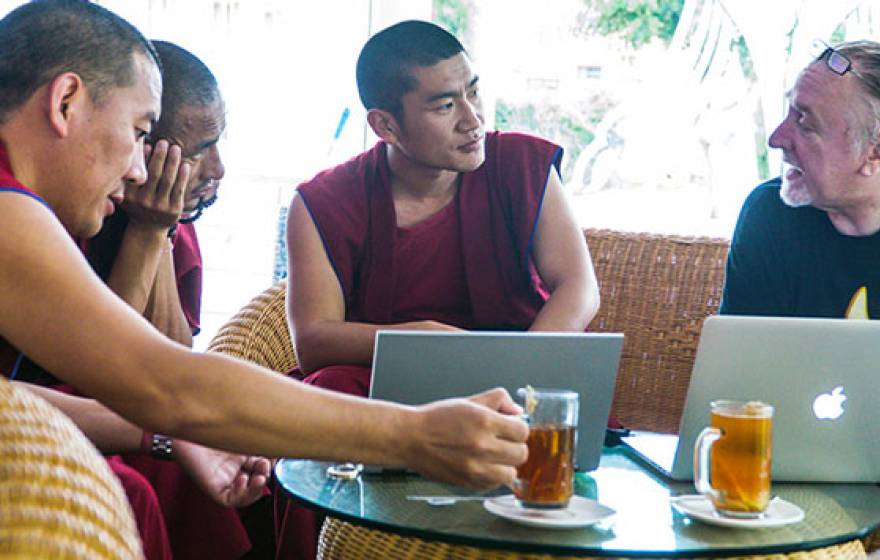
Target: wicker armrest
(58, 497)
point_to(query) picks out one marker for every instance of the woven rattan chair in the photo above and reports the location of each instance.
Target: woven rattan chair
(657, 290)
(258, 333)
(58, 498)
(342, 540)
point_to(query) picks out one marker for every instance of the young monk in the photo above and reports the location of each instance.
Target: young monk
(440, 226)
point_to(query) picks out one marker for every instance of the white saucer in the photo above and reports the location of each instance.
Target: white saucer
(581, 512)
(778, 513)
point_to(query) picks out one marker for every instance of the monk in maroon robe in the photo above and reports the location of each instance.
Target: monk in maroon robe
(441, 225)
(143, 500)
(193, 117)
(172, 512)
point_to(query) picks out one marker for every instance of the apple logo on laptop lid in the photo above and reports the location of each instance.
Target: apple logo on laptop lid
(829, 406)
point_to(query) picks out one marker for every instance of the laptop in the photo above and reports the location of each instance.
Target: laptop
(416, 367)
(822, 376)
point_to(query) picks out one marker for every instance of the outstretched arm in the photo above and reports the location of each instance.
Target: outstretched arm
(316, 309)
(56, 310)
(563, 261)
(144, 262)
(228, 478)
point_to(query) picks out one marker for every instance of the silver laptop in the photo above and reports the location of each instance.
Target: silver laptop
(822, 376)
(415, 367)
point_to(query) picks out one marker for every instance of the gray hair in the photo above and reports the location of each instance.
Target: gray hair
(865, 57)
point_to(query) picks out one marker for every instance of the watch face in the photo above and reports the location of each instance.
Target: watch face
(161, 448)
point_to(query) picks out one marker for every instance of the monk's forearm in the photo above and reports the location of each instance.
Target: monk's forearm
(136, 264)
(571, 307)
(267, 414)
(334, 343)
(331, 343)
(105, 429)
(164, 309)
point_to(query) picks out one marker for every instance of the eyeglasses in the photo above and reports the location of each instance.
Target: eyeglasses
(839, 63)
(835, 60)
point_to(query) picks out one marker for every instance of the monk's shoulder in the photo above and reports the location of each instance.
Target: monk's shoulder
(513, 158)
(345, 184)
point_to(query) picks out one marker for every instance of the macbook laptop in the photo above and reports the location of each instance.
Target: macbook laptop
(416, 367)
(822, 376)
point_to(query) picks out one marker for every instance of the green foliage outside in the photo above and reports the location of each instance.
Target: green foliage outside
(839, 34)
(636, 21)
(745, 58)
(452, 15)
(561, 124)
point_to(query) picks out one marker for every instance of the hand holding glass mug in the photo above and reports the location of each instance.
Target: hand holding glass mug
(546, 479)
(732, 458)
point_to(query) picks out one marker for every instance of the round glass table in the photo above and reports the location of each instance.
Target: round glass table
(645, 523)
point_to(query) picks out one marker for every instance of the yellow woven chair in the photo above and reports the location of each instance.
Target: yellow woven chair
(258, 333)
(657, 290)
(58, 498)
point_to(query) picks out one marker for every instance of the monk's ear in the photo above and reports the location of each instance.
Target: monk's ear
(66, 94)
(384, 125)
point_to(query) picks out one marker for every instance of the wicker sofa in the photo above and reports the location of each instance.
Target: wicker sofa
(656, 289)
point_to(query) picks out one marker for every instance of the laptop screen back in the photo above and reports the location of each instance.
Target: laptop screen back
(416, 367)
(820, 375)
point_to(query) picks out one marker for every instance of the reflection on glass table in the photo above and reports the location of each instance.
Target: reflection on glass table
(645, 522)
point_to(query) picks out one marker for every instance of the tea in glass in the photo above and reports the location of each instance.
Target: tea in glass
(546, 479)
(739, 448)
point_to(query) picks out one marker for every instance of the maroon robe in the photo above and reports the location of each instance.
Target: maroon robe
(188, 271)
(171, 512)
(470, 265)
(198, 527)
(141, 497)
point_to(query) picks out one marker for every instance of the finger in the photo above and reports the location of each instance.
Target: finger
(262, 466)
(148, 149)
(156, 165)
(238, 487)
(178, 192)
(256, 484)
(169, 173)
(510, 428)
(506, 453)
(490, 476)
(497, 399)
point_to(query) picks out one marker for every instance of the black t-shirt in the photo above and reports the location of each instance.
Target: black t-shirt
(787, 261)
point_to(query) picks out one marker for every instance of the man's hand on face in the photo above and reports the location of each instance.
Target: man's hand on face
(159, 201)
(475, 442)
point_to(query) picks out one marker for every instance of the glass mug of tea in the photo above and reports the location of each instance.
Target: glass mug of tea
(732, 458)
(546, 479)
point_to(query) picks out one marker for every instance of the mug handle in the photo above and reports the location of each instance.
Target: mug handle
(702, 474)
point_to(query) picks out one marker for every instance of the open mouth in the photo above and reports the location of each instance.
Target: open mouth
(792, 172)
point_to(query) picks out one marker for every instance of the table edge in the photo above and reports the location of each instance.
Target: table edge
(476, 542)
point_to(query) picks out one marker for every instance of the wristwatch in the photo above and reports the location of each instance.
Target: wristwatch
(161, 447)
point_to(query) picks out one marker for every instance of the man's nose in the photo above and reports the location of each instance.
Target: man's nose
(472, 116)
(779, 137)
(214, 168)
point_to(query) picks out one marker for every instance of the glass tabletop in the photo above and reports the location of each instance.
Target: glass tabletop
(645, 523)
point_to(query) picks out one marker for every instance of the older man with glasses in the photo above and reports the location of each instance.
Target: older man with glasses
(807, 244)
